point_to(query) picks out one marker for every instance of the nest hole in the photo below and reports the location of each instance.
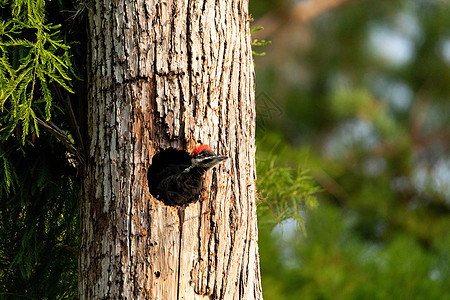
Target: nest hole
(162, 163)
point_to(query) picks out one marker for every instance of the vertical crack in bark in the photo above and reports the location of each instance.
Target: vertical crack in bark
(130, 204)
(189, 56)
(181, 74)
(237, 174)
(153, 100)
(181, 211)
(229, 106)
(197, 286)
(209, 263)
(182, 138)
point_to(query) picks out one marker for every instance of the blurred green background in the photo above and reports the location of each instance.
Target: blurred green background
(353, 115)
(356, 95)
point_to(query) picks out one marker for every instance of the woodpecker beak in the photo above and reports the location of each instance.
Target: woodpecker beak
(212, 161)
(220, 158)
(208, 162)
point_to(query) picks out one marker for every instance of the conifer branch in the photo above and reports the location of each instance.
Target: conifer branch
(73, 120)
(69, 248)
(60, 135)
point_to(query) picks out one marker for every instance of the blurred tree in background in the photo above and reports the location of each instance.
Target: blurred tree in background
(358, 92)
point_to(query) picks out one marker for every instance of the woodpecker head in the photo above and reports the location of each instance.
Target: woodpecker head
(203, 157)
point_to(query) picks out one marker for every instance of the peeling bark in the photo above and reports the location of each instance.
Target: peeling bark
(169, 74)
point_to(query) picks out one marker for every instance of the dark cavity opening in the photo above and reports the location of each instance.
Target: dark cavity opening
(166, 163)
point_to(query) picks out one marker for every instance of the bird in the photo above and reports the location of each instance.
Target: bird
(176, 178)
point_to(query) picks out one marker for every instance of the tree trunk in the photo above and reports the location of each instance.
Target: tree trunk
(169, 74)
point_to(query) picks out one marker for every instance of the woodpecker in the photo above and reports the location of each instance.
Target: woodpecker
(176, 178)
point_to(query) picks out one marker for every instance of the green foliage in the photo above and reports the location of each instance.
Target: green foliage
(369, 106)
(38, 185)
(334, 263)
(38, 221)
(257, 43)
(32, 57)
(285, 192)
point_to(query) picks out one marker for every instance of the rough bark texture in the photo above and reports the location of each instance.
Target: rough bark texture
(169, 74)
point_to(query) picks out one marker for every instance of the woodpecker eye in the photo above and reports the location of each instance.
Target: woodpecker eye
(206, 153)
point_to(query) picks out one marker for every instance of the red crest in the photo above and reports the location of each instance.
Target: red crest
(200, 148)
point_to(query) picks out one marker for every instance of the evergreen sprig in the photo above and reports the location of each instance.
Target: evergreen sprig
(32, 56)
(285, 193)
(258, 43)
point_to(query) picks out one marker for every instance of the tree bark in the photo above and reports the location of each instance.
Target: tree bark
(169, 74)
